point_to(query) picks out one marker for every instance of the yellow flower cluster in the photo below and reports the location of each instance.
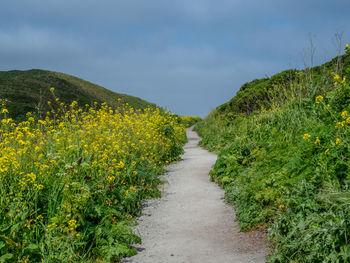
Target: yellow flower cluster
(318, 99)
(338, 79)
(72, 224)
(344, 114)
(306, 136)
(317, 141)
(98, 147)
(346, 120)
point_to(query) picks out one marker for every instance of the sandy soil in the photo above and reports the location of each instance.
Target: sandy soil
(191, 222)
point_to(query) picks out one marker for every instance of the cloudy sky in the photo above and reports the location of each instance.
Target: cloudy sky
(187, 55)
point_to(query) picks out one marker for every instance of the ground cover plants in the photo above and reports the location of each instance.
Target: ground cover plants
(71, 183)
(285, 166)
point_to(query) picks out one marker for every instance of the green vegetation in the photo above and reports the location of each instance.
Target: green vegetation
(188, 121)
(284, 160)
(29, 91)
(260, 93)
(70, 184)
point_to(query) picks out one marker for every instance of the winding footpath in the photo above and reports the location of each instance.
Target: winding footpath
(191, 222)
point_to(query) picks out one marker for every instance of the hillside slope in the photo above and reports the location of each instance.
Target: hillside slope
(284, 160)
(29, 91)
(260, 92)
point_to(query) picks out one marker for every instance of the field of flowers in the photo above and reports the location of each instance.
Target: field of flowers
(286, 168)
(71, 183)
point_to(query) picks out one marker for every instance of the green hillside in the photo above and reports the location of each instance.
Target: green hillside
(259, 92)
(284, 160)
(29, 91)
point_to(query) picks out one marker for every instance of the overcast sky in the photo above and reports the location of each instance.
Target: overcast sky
(187, 55)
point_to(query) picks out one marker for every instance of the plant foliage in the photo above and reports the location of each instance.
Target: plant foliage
(284, 160)
(71, 183)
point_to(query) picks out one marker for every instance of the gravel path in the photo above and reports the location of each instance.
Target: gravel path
(191, 222)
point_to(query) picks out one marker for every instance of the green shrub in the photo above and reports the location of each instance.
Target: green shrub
(285, 163)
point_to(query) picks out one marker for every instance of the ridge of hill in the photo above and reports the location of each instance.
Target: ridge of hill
(29, 91)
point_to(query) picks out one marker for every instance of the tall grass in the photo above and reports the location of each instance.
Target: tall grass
(71, 183)
(286, 168)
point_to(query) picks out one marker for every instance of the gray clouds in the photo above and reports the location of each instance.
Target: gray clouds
(188, 55)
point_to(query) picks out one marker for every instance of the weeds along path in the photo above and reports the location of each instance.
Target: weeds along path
(191, 222)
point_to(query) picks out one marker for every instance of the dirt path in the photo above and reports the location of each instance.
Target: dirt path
(191, 222)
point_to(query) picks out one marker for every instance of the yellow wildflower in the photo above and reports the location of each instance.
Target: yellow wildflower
(52, 89)
(39, 186)
(110, 178)
(338, 141)
(30, 177)
(72, 224)
(317, 141)
(121, 164)
(326, 151)
(306, 136)
(344, 114)
(318, 99)
(340, 124)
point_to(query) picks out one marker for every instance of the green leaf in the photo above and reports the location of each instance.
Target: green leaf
(3, 258)
(32, 247)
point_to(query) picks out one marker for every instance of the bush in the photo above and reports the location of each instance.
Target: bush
(285, 167)
(72, 182)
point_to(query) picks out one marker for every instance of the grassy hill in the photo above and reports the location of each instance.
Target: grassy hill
(29, 91)
(260, 92)
(284, 160)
